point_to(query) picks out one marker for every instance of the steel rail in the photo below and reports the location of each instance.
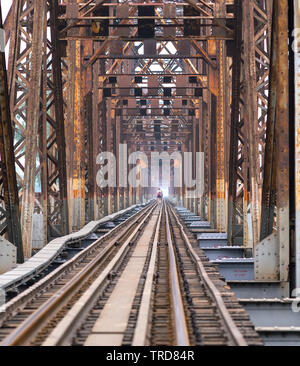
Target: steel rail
(63, 242)
(233, 330)
(140, 332)
(63, 331)
(33, 323)
(19, 300)
(181, 332)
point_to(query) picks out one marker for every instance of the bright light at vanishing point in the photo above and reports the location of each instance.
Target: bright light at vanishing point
(165, 192)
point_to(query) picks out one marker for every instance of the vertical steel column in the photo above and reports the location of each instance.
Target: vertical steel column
(235, 123)
(198, 148)
(275, 187)
(190, 148)
(57, 212)
(117, 152)
(220, 11)
(97, 135)
(10, 219)
(275, 197)
(268, 202)
(282, 137)
(251, 116)
(90, 122)
(297, 138)
(108, 134)
(124, 188)
(113, 149)
(42, 145)
(78, 153)
(102, 135)
(36, 112)
(203, 142)
(75, 125)
(207, 149)
(213, 159)
(130, 190)
(13, 44)
(194, 151)
(256, 32)
(184, 187)
(220, 136)
(32, 119)
(69, 115)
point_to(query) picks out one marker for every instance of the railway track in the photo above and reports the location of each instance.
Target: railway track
(146, 283)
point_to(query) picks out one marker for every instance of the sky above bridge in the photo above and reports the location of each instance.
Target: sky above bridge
(5, 4)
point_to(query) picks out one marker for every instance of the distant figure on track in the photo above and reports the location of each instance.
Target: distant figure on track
(159, 195)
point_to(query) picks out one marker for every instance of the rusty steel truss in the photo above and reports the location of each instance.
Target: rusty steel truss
(190, 76)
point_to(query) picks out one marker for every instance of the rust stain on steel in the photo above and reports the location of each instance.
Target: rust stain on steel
(220, 154)
(282, 136)
(275, 197)
(8, 170)
(28, 194)
(213, 81)
(91, 133)
(212, 47)
(59, 102)
(104, 118)
(234, 125)
(78, 172)
(75, 132)
(251, 115)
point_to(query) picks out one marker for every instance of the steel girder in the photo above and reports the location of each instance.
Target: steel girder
(38, 131)
(91, 122)
(275, 218)
(249, 120)
(9, 199)
(296, 55)
(260, 140)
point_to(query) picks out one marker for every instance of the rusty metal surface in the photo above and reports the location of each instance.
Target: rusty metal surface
(10, 219)
(297, 142)
(256, 101)
(234, 127)
(249, 142)
(59, 166)
(282, 138)
(30, 132)
(275, 197)
(38, 127)
(100, 80)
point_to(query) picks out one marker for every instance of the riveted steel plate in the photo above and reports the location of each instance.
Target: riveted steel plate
(255, 289)
(224, 252)
(268, 313)
(236, 268)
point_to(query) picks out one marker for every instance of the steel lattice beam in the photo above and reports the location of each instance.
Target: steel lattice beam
(35, 88)
(9, 202)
